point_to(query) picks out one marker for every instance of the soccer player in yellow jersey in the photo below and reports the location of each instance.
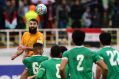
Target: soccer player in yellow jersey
(28, 39)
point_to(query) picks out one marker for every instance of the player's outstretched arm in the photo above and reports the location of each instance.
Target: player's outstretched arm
(62, 68)
(103, 66)
(18, 53)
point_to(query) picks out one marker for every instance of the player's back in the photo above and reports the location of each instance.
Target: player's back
(52, 68)
(33, 63)
(111, 58)
(80, 61)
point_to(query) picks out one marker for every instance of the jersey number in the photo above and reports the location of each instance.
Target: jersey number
(80, 60)
(112, 55)
(57, 72)
(35, 67)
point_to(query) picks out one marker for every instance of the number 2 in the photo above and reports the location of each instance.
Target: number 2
(80, 59)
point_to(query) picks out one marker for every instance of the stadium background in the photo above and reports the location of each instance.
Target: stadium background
(58, 32)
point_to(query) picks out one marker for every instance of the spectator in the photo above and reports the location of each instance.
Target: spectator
(76, 13)
(49, 17)
(105, 20)
(10, 15)
(115, 16)
(86, 18)
(2, 24)
(96, 18)
(62, 14)
(21, 13)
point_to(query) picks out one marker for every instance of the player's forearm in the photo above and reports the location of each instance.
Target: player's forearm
(62, 73)
(104, 75)
(98, 72)
(29, 48)
(19, 52)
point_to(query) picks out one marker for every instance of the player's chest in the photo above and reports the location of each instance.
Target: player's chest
(30, 40)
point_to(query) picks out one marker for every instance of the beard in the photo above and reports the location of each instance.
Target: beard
(33, 30)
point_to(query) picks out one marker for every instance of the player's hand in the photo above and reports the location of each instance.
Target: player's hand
(21, 47)
(13, 57)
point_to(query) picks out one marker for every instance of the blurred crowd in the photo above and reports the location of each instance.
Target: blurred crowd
(61, 13)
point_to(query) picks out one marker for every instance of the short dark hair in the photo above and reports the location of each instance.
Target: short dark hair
(78, 37)
(55, 51)
(63, 49)
(37, 45)
(105, 38)
(34, 20)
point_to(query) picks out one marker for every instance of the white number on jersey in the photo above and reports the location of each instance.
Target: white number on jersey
(112, 55)
(57, 72)
(80, 60)
(35, 67)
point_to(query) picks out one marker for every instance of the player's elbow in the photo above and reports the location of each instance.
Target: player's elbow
(62, 68)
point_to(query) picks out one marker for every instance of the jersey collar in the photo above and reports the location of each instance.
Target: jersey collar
(107, 46)
(36, 55)
(56, 58)
(79, 46)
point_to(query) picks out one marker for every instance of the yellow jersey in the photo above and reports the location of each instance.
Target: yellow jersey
(29, 39)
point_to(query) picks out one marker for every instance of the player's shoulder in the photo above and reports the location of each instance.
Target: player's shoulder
(27, 59)
(40, 33)
(26, 33)
(46, 62)
(82, 47)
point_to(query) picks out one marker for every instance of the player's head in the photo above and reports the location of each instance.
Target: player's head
(38, 48)
(55, 51)
(33, 25)
(63, 49)
(78, 37)
(105, 38)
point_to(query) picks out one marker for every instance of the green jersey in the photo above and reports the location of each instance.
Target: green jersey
(111, 58)
(80, 62)
(33, 63)
(50, 69)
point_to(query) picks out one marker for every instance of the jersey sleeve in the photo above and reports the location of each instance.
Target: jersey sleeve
(96, 57)
(40, 38)
(41, 71)
(26, 62)
(65, 55)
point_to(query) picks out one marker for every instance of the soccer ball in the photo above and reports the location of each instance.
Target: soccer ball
(41, 9)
